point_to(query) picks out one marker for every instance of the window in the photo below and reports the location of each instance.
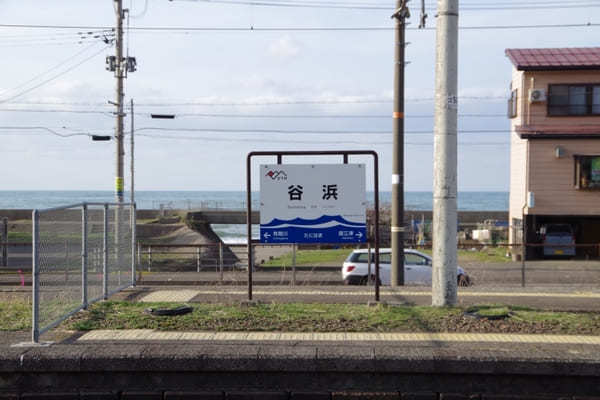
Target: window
(574, 100)
(512, 104)
(587, 172)
(414, 259)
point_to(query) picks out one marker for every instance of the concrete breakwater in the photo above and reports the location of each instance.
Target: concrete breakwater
(239, 216)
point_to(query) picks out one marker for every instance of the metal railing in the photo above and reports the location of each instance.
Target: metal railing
(81, 254)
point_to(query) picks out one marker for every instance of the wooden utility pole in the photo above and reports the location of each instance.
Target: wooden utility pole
(397, 222)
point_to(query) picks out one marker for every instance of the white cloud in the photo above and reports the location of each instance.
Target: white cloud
(285, 47)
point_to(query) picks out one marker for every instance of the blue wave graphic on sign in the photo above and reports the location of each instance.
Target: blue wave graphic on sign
(324, 219)
(325, 229)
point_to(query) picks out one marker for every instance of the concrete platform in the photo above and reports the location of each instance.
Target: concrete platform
(260, 369)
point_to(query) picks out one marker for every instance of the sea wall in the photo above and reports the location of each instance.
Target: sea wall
(239, 216)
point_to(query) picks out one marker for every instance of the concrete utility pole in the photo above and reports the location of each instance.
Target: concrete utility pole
(119, 73)
(445, 156)
(397, 223)
(132, 157)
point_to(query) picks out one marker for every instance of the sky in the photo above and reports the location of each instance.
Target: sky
(320, 89)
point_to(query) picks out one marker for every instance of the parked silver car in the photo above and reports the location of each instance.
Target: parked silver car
(558, 240)
(417, 268)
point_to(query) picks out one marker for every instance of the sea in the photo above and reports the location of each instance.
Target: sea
(191, 200)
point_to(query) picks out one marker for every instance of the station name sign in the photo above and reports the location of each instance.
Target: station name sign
(313, 203)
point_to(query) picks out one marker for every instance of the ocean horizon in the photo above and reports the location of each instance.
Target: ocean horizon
(229, 233)
(187, 200)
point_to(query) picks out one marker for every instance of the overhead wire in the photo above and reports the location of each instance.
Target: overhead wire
(307, 131)
(43, 128)
(302, 29)
(60, 64)
(355, 6)
(292, 141)
(53, 77)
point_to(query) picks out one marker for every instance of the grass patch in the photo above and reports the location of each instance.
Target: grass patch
(265, 317)
(296, 317)
(15, 316)
(490, 311)
(483, 255)
(334, 318)
(19, 237)
(311, 257)
(337, 256)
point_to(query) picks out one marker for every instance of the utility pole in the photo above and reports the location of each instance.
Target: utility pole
(132, 157)
(397, 222)
(445, 156)
(119, 74)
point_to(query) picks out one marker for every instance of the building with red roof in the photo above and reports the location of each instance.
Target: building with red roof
(554, 111)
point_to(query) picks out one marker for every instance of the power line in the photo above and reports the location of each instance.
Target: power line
(55, 110)
(299, 29)
(209, 103)
(307, 131)
(312, 116)
(345, 142)
(332, 5)
(43, 128)
(60, 64)
(53, 77)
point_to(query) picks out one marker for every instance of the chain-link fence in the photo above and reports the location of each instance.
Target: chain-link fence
(489, 266)
(81, 254)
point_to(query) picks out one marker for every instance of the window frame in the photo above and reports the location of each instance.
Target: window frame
(513, 103)
(578, 175)
(589, 100)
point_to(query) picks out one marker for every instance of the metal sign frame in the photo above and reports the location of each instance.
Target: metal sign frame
(280, 155)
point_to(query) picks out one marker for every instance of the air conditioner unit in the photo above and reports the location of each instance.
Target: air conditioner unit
(537, 95)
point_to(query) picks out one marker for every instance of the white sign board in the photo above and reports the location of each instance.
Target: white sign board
(320, 203)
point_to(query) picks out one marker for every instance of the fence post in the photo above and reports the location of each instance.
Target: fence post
(149, 257)
(221, 260)
(524, 250)
(198, 258)
(369, 280)
(133, 213)
(293, 264)
(35, 278)
(84, 255)
(105, 254)
(5, 242)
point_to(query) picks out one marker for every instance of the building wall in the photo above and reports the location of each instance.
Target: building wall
(552, 179)
(518, 167)
(518, 152)
(536, 114)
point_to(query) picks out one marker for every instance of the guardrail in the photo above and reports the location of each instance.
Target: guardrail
(100, 255)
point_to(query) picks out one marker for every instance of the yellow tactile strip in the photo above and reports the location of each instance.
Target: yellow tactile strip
(151, 335)
(188, 295)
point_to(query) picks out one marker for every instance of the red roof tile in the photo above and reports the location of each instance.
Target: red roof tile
(548, 131)
(552, 59)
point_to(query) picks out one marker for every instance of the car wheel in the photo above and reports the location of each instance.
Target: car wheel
(365, 280)
(463, 280)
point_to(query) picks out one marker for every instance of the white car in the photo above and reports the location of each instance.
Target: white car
(417, 268)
